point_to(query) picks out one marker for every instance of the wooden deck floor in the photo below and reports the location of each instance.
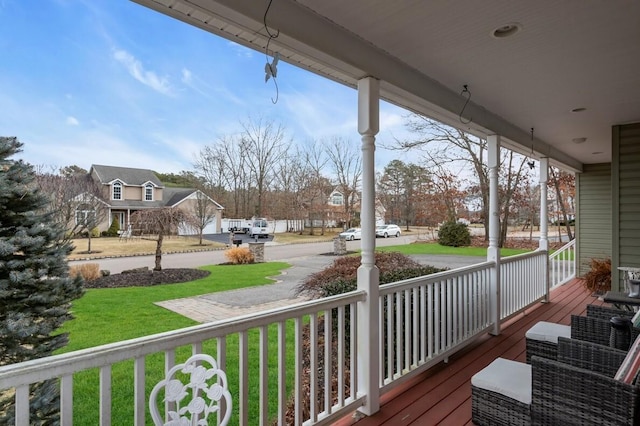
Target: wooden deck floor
(442, 395)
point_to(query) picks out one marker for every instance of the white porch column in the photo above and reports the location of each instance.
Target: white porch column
(368, 273)
(493, 252)
(544, 221)
(544, 213)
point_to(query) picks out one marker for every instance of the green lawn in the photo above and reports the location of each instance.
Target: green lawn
(435, 248)
(111, 315)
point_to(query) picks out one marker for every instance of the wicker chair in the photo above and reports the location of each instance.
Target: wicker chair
(606, 312)
(594, 330)
(589, 329)
(579, 387)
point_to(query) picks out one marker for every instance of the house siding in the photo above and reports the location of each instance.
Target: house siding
(132, 193)
(626, 215)
(594, 214)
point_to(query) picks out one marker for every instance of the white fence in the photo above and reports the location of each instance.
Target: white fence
(275, 226)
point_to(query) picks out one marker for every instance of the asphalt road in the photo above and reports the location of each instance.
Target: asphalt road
(272, 252)
(305, 259)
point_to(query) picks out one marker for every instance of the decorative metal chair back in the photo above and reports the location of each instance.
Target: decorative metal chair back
(204, 393)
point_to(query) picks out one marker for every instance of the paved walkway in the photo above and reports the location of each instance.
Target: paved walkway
(233, 303)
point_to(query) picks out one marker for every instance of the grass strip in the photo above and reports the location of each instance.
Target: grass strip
(111, 315)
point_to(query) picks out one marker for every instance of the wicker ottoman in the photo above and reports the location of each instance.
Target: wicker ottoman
(501, 394)
(542, 339)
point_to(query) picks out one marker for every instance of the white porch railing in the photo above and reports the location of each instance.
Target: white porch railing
(333, 313)
(523, 282)
(423, 321)
(562, 264)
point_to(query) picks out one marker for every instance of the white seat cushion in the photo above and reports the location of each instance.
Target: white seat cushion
(506, 377)
(548, 332)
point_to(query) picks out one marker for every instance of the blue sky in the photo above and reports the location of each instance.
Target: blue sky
(111, 82)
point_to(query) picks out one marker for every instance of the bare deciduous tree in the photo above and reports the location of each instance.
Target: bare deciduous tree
(318, 186)
(448, 145)
(155, 224)
(564, 184)
(345, 160)
(75, 200)
(264, 147)
(202, 213)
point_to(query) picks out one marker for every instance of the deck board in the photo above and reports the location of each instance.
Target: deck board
(442, 395)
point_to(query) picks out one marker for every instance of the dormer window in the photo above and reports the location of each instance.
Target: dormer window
(116, 191)
(148, 192)
(337, 199)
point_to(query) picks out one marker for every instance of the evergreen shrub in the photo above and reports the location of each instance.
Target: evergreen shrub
(35, 287)
(114, 228)
(454, 234)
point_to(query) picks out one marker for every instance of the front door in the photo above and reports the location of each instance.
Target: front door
(120, 217)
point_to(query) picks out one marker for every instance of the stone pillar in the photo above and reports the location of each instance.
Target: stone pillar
(339, 246)
(257, 249)
(493, 252)
(368, 374)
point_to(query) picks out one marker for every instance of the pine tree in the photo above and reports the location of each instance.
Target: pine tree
(35, 288)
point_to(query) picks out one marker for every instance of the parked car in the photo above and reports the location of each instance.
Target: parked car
(351, 234)
(387, 231)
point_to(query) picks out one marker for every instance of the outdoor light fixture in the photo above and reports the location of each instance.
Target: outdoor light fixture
(506, 30)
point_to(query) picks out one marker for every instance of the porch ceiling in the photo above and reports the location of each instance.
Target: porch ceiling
(569, 54)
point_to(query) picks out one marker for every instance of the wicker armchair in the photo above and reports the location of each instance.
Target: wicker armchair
(579, 387)
(589, 329)
(606, 312)
(595, 330)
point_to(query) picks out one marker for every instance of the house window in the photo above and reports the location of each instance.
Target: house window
(117, 191)
(148, 192)
(337, 199)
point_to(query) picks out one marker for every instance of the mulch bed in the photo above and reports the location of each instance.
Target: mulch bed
(147, 278)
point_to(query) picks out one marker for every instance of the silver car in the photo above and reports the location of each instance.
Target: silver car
(351, 234)
(387, 231)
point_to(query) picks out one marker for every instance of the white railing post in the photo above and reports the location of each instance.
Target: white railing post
(544, 220)
(368, 274)
(493, 252)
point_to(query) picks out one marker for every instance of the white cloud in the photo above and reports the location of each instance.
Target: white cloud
(72, 121)
(186, 76)
(137, 71)
(200, 86)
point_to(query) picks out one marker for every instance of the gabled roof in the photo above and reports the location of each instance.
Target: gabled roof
(174, 196)
(127, 175)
